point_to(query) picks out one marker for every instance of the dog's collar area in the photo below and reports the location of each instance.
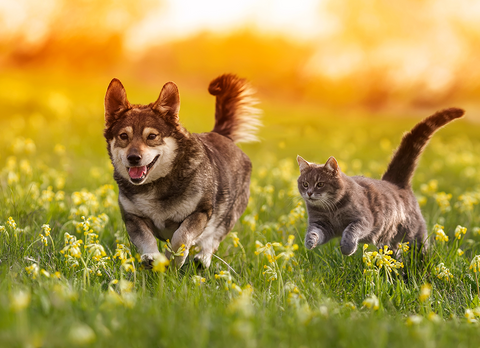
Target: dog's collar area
(139, 174)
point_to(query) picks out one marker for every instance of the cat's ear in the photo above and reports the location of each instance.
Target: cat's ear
(115, 101)
(332, 165)
(302, 163)
(168, 102)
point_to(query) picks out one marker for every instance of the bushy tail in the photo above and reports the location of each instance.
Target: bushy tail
(235, 116)
(402, 166)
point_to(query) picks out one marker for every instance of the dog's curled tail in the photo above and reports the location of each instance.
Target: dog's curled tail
(235, 114)
(402, 166)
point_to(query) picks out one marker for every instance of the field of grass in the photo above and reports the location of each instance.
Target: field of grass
(69, 277)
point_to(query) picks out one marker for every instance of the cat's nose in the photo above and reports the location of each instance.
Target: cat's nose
(309, 194)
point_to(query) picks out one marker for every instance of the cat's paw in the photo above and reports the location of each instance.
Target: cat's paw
(311, 240)
(148, 259)
(348, 247)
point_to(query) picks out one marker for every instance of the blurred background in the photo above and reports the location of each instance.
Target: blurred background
(313, 62)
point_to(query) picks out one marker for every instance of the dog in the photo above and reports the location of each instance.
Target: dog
(175, 185)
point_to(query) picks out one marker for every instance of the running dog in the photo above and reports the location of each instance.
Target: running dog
(186, 187)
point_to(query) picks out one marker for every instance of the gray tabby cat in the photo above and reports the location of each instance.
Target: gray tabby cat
(364, 210)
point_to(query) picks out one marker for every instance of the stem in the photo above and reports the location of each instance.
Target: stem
(478, 288)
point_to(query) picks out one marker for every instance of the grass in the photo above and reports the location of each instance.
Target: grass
(54, 170)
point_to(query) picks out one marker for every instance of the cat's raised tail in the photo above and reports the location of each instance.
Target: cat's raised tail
(402, 166)
(235, 114)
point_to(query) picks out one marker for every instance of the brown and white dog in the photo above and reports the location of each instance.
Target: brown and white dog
(186, 187)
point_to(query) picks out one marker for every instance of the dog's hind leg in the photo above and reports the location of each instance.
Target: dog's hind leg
(208, 243)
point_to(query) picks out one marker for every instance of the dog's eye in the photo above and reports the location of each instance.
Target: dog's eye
(305, 184)
(320, 184)
(123, 136)
(152, 136)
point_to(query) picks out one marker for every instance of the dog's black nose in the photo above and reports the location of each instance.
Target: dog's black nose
(134, 159)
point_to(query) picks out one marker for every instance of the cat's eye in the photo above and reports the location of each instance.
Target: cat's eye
(320, 184)
(123, 136)
(305, 184)
(152, 136)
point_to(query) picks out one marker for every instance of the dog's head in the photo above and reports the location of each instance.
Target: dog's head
(142, 139)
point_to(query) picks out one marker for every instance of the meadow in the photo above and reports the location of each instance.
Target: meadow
(70, 277)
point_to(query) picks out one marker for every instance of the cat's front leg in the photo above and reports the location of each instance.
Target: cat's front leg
(351, 235)
(316, 235)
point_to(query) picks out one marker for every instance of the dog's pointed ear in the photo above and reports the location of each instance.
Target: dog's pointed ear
(168, 102)
(302, 163)
(115, 101)
(332, 165)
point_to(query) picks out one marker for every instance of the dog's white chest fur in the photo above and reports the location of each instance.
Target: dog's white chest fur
(149, 206)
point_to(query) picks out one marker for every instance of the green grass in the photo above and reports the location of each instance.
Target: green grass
(316, 300)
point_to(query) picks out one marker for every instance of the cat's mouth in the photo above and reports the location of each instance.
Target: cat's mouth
(139, 174)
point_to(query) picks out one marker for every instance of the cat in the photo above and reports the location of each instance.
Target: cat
(365, 210)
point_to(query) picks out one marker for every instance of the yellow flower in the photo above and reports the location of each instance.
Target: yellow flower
(11, 223)
(459, 231)
(425, 292)
(46, 229)
(430, 188)
(443, 201)
(443, 272)
(198, 280)
(414, 320)
(235, 238)
(460, 252)
(32, 270)
(440, 233)
(160, 263)
(475, 264)
(371, 303)
(403, 246)
(470, 316)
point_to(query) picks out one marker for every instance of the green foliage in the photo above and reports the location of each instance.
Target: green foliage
(69, 277)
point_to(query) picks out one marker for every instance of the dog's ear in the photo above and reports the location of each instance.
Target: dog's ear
(168, 103)
(115, 101)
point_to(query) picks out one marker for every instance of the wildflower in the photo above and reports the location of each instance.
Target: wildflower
(179, 253)
(425, 292)
(403, 246)
(160, 263)
(43, 239)
(466, 202)
(11, 223)
(443, 272)
(46, 229)
(32, 270)
(440, 233)
(271, 272)
(72, 246)
(460, 252)
(414, 320)
(459, 230)
(288, 249)
(476, 231)
(235, 238)
(470, 316)
(443, 201)
(19, 300)
(475, 264)
(430, 188)
(45, 273)
(198, 280)
(371, 303)
(381, 259)
(122, 252)
(128, 265)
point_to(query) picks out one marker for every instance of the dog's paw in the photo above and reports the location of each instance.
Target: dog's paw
(149, 258)
(203, 260)
(311, 240)
(348, 247)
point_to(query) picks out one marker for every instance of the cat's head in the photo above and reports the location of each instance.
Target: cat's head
(320, 184)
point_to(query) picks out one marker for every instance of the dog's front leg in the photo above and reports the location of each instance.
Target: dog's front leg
(142, 237)
(186, 234)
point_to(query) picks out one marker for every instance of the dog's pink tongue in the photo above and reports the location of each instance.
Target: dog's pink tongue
(137, 172)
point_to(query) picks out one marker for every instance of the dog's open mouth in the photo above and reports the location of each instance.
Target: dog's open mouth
(138, 174)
